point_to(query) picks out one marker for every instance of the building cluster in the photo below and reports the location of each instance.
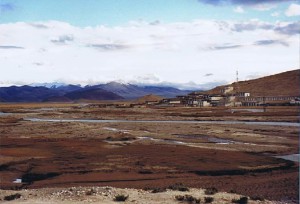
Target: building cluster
(226, 97)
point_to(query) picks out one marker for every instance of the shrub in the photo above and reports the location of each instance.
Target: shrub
(145, 171)
(257, 198)
(179, 198)
(121, 198)
(158, 190)
(208, 199)
(90, 192)
(188, 198)
(242, 200)
(178, 187)
(12, 197)
(232, 191)
(211, 191)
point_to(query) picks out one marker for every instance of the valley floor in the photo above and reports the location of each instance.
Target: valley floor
(236, 158)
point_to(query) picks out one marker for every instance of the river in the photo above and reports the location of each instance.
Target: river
(165, 121)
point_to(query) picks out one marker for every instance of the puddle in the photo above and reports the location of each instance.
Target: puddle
(18, 180)
(115, 130)
(166, 141)
(210, 139)
(247, 109)
(291, 157)
(5, 114)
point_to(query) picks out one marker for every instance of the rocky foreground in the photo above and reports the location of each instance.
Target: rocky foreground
(113, 195)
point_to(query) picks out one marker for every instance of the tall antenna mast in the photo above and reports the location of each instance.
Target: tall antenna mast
(237, 76)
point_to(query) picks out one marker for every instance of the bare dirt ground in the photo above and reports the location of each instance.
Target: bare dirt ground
(235, 158)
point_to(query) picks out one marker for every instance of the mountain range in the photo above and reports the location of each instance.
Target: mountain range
(57, 92)
(282, 84)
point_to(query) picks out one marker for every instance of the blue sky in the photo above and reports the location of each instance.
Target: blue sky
(120, 12)
(186, 43)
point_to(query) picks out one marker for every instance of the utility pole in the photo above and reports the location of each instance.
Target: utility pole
(236, 88)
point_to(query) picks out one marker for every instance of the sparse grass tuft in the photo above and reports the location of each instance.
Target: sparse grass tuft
(188, 198)
(158, 190)
(179, 198)
(12, 197)
(121, 198)
(257, 198)
(242, 200)
(90, 192)
(208, 199)
(145, 171)
(178, 187)
(232, 191)
(211, 191)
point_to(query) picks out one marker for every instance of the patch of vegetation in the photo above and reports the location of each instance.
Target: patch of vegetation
(145, 171)
(32, 177)
(90, 192)
(241, 200)
(232, 191)
(211, 191)
(208, 199)
(257, 198)
(158, 190)
(178, 187)
(12, 197)
(121, 198)
(188, 198)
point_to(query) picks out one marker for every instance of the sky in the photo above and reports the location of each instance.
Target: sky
(183, 43)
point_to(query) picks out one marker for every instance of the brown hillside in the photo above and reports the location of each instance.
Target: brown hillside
(283, 84)
(150, 97)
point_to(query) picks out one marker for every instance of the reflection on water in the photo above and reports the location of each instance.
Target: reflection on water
(166, 141)
(253, 110)
(18, 180)
(164, 121)
(291, 157)
(209, 139)
(4, 114)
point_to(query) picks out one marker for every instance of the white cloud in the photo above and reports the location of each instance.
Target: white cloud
(293, 10)
(264, 7)
(164, 52)
(275, 14)
(239, 9)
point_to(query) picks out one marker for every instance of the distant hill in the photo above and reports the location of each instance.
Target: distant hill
(282, 84)
(149, 97)
(92, 94)
(57, 92)
(67, 88)
(130, 91)
(26, 94)
(57, 99)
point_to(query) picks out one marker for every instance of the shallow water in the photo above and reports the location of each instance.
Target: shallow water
(4, 114)
(291, 157)
(256, 110)
(209, 139)
(164, 121)
(166, 141)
